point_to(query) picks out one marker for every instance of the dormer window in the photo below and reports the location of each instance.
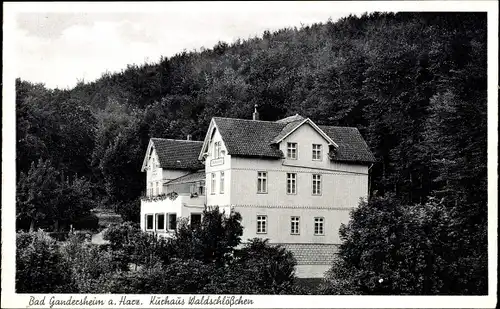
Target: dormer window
(291, 151)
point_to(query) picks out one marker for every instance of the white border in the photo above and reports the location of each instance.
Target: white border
(12, 300)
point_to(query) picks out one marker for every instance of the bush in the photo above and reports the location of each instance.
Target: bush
(131, 245)
(179, 277)
(40, 267)
(395, 249)
(215, 240)
(87, 263)
(129, 211)
(264, 269)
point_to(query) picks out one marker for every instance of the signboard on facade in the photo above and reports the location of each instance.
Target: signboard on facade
(216, 162)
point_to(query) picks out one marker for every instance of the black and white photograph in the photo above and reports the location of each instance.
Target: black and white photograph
(188, 154)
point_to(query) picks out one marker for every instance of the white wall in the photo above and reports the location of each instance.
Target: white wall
(343, 185)
(218, 199)
(340, 188)
(182, 206)
(279, 227)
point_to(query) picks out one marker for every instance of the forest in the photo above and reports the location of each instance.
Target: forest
(414, 84)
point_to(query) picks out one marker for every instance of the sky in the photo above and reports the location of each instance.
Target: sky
(59, 48)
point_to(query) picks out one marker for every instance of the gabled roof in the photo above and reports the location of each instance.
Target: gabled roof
(175, 154)
(293, 118)
(352, 146)
(294, 125)
(255, 138)
(192, 177)
(250, 138)
(287, 129)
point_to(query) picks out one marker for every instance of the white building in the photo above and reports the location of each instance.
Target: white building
(293, 182)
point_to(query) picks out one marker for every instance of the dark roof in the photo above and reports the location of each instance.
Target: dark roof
(352, 146)
(252, 138)
(290, 126)
(255, 138)
(293, 118)
(192, 177)
(178, 154)
(313, 254)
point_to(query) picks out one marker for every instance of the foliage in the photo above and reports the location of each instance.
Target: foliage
(131, 245)
(34, 194)
(213, 242)
(179, 277)
(90, 222)
(129, 211)
(43, 198)
(269, 269)
(413, 83)
(395, 249)
(87, 263)
(40, 267)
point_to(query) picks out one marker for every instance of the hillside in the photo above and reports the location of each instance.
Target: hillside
(413, 83)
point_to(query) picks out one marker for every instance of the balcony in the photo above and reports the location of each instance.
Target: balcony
(173, 197)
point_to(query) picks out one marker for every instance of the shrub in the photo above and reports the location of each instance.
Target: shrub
(131, 245)
(87, 263)
(264, 269)
(214, 241)
(40, 267)
(179, 277)
(391, 248)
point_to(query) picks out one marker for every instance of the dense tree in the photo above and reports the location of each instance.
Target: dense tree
(44, 199)
(413, 83)
(39, 265)
(392, 248)
(271, 269)
(214, 241)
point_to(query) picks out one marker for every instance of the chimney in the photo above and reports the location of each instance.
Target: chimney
(256, 113)
(188, 137)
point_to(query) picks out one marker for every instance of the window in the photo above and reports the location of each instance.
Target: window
(291, 183)
(316, 184)
(261, 182)
(160, 221)
(261, 224)
(195, 221)
(149, 223)
(201, 188)
(150, 190)
(157, 188)
(172, 221)
(319, 226)
(316, 154)
(217, 149)
(295, 225)
(212, 187)
(221, 183)
(291, 151)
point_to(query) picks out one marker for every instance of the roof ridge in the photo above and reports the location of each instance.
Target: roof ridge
(267, 121)
(176, 140)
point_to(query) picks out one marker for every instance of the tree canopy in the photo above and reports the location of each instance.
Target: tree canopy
(413, 83)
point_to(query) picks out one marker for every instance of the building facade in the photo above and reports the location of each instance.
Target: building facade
(293, 182)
